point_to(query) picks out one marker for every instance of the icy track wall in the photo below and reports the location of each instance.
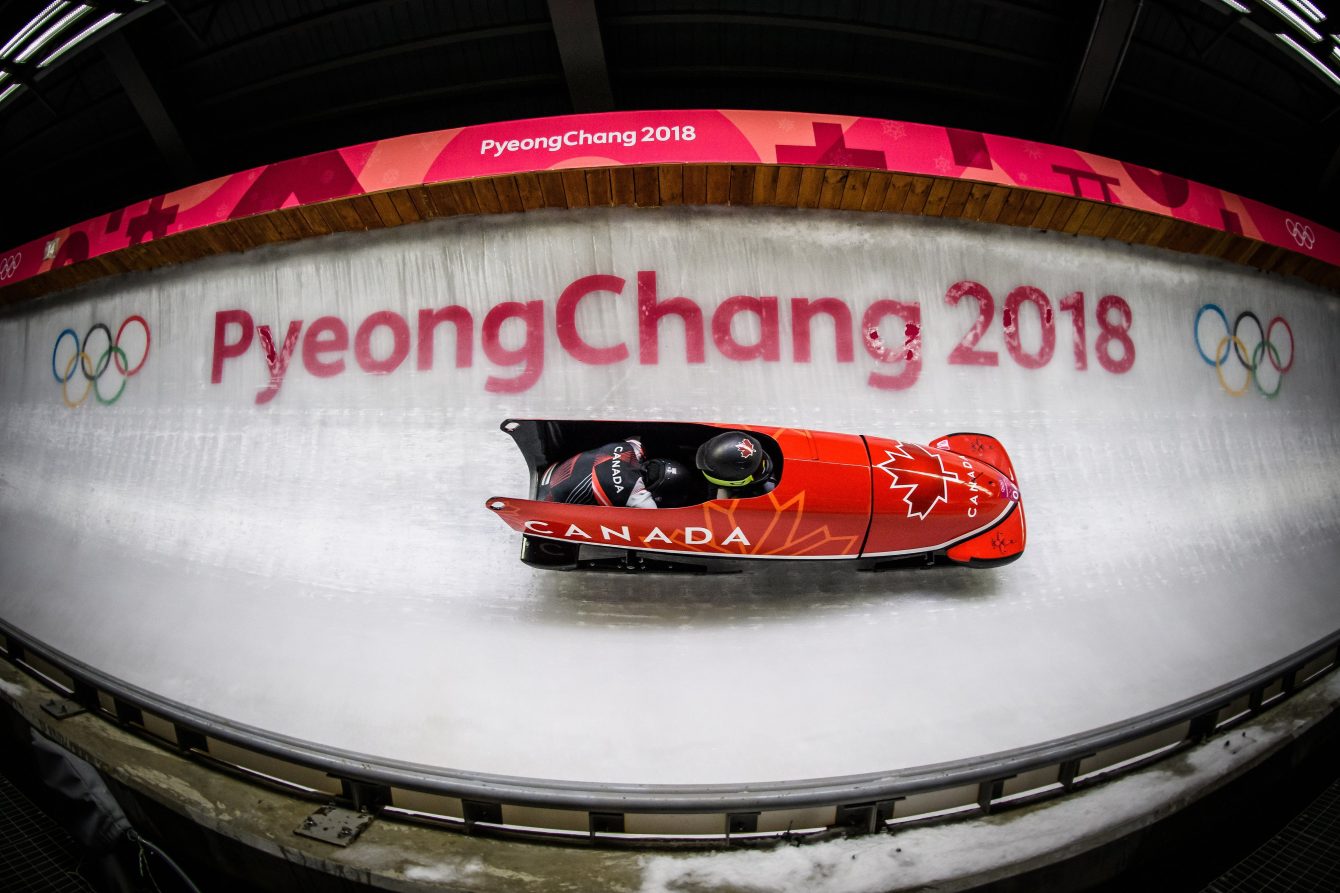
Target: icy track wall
(266, 501)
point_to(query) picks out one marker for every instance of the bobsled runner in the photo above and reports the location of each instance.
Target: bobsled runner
(873, 503)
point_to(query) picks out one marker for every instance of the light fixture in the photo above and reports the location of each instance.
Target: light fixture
(8, 90)
(96, 26)
(1302, 51)
(1307, 9)
(1234, 4)
(37, 22)
(1287, 13)
(51, 32)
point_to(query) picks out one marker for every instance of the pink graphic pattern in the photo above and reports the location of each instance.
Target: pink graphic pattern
(668, 137)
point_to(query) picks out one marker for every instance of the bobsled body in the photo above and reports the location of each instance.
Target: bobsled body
(870, 503)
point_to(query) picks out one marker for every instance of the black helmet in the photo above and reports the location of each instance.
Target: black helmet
(669, 482)
(733, 459)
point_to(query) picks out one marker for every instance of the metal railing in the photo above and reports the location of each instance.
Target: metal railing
(671, 814)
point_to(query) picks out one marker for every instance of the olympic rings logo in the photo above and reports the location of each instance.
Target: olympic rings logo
(10, 265)
(97, 355)
(1256, 350)
(1301, 232)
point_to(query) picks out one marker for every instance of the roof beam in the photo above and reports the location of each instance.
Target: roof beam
(577, 30)
(126, 66)
(1113, 27)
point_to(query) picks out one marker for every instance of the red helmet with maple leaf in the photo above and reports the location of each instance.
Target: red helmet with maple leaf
(733, 459)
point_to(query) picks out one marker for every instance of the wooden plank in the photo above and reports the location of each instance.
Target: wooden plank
(1181, 237)
(765, 185)
(1085, 218)
(1196, 238)
(671, 182)
(1267, 257)
(1119, 219)
(718, 184)
(788, 187)
(1108, 220)
(1242, 249)
(853, 193)
(1226, 245)
(509, 197)
(1083, 221)
(1211, 243)
(341, 216)
(296, 219)
(1029, 210)
(466, 200)
(830, 193)
(1070, 216)
(1026, 207)
(742, 184)
(811, 185)
(486, 195)
(443, 197)
(404, 205)
(977, 195)
(917, 195)
(1176, 237)
(217, 242)
(246, 232)
(1129, 225)
(1159, 232)
(551, 187)
(1131, 222)
(385, 208)
(1291, 264)
(599, 190)
(169, 250)
(422, 198)
(939, 194)
(528, 189)
(574, 188)
(263, 226)
(876, 189)
(1009, 210)
(695, 184)
(223, 233)
(994, 204)
(646, 186)
(623, 188)
(958, 199)
(900, 187)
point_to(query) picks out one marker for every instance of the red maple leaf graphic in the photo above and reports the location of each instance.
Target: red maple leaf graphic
(923, 480)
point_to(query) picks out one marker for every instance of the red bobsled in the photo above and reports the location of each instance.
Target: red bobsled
(875, 502)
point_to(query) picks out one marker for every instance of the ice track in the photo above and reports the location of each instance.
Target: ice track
(321, 565)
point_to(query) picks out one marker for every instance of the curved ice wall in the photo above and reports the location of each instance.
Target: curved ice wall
(278, 517)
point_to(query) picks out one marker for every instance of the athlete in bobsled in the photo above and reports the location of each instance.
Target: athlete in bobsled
(737, 465)
(618, 474)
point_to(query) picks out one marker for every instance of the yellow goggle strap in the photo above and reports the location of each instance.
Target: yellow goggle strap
(720, 483)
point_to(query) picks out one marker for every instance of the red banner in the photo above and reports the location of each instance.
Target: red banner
(670, 137)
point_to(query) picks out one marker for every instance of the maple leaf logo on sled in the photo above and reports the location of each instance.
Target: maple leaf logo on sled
(923, 479)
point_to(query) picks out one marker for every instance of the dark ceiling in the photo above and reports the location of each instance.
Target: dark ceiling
(179, 91)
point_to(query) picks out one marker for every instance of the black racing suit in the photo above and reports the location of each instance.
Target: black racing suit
(608, 475)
